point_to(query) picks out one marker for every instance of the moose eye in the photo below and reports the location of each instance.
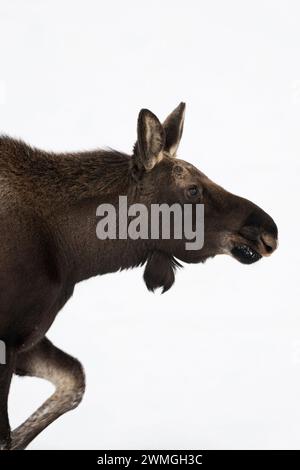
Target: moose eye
(193, 191)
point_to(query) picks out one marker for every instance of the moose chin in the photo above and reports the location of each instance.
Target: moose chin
(48, 208)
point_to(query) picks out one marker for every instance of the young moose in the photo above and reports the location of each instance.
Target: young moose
(48, 243)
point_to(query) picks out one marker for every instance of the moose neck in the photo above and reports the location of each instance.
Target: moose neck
(85, 256)
(81, 253)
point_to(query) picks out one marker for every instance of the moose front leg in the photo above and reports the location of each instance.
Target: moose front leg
(66, 373)
(6, 371)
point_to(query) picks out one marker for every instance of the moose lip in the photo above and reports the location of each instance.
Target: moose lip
(245, 254)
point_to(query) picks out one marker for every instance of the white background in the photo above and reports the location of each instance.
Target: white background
(215, 362)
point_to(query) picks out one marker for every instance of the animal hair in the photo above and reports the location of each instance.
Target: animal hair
(160, 271)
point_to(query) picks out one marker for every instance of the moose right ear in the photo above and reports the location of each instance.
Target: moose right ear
(151, 139)
(173, 127)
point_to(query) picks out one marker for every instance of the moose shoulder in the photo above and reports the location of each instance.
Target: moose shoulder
(48, 244)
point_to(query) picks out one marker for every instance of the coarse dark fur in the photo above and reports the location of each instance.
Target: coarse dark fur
(48, 244)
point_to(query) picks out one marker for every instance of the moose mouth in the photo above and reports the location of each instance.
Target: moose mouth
(245, 254)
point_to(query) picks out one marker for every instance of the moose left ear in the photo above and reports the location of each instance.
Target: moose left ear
(173, 127)
(151, 139)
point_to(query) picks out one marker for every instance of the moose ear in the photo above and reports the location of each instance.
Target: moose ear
(173, 127)
(151, 139)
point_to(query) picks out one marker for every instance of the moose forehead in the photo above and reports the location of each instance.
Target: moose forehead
(183, 172)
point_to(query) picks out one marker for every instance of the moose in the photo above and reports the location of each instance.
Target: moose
(48, 244)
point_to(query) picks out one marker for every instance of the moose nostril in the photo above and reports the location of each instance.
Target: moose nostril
(269, 242)
(268, 248)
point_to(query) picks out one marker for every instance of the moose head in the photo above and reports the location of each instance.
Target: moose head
(232, 225)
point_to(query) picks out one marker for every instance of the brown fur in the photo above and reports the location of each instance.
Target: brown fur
(48, 243)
